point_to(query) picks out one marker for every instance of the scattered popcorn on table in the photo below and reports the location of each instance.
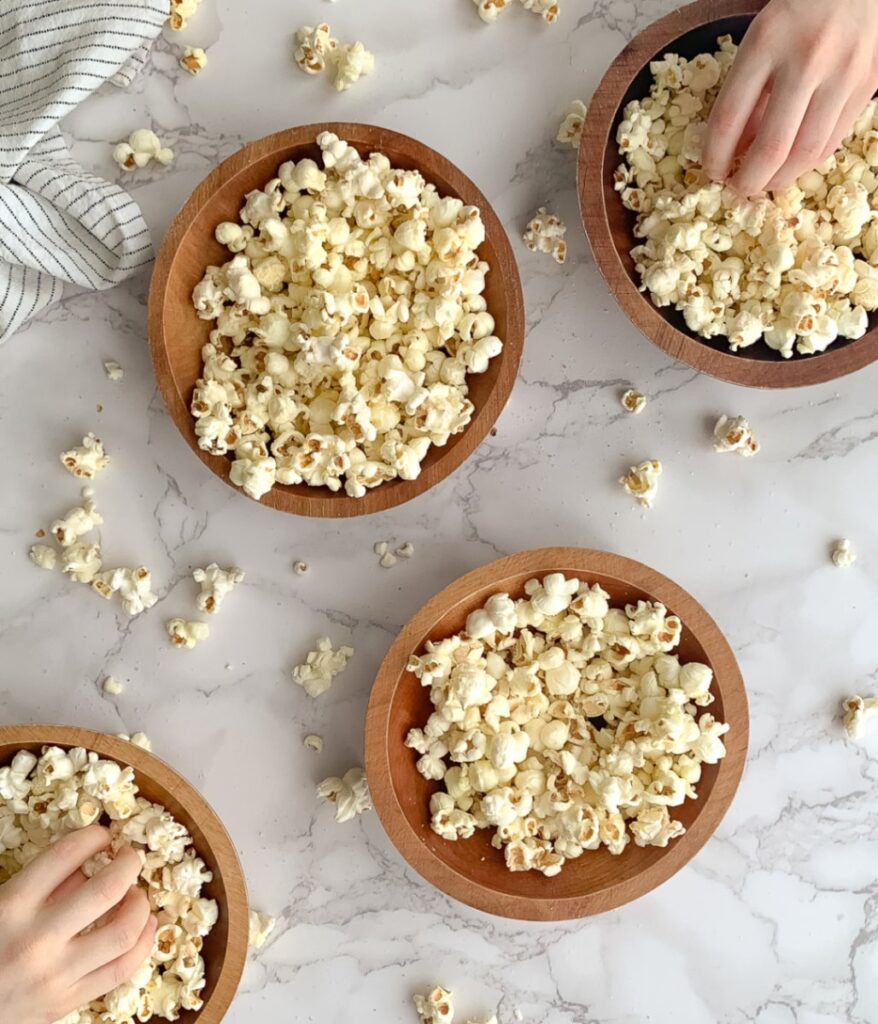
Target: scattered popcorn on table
(633, 401)
(138, 739)
(641, 481)
(405, 550)
(843, 555)
(261, 927)
(490, 10)
(349, 63)
(549, 9)
(321, 667)
(43, 555)
(87, 460)
(570, 131)
(81, 562)
(436, 1007)
(386, 558)
(545, 233)
(181, 12)
(314, 743)
(194, 59)
(350, 794)
(134, 587)
(300, 568)
(142, 146)
(733, 434)
(345, 326)
(113, 370)
(796, 267)
(113, 686)
(857, 711)
(564, 724)
(183, 633)
(76, 523)
(313, 44)
(44, 798)
(215, 583)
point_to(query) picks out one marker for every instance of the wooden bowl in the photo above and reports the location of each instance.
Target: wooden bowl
(176, 334)
(225, 949)
(688, 31)
(472, 870)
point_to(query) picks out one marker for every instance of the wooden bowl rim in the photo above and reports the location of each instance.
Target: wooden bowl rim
(324, 503)
(379, 743)
(144, 762)
(594, 193)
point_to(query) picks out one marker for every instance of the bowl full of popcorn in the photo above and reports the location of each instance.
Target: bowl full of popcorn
(54, 779)
(555, 734)
(336, 319)
(778, 290)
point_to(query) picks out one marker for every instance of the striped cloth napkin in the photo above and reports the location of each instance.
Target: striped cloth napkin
(58, 222)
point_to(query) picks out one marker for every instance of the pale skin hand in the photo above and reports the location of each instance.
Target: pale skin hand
(803, 74)
(47, 969)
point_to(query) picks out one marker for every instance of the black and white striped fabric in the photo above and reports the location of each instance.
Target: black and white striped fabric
(58, 222)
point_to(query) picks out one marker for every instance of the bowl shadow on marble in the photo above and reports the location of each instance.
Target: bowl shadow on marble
(610, 226)
(472, 870)
(225, 948)
(176, 334)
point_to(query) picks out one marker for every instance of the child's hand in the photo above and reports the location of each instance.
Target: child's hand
(47, 969)
(803, 74)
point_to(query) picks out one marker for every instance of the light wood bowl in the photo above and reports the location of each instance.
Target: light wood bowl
(471, 870)
(688, 31)
(176, 334)
(225, 949)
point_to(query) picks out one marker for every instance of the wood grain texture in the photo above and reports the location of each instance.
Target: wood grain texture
(225, 949)
(176, 335)
(472, 870)
(691, 30)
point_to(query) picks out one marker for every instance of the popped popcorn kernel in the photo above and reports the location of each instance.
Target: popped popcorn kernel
(194, 60)
(436, 1007)
(142, 147)
(216, 584)
(570, 130)
(633, 401)
(112, 686)
(545, 233)
(313, 45)
(181, 12)
(641, 482)
(843, 554)
(350, 794)
(301, 568)
(261, 927)
(186, 634)
(733, 434)
(313, 742)
(44, 556)
(113, 370)
(86, 460)
(316, 674)
(349, 62)
(857, 712)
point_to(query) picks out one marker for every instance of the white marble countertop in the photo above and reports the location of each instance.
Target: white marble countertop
(774, 922)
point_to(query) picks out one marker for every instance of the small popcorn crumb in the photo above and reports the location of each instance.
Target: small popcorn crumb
(857, 711)
(387, 560)
(86, 460)
(406, 550)
(137, 739)
(261, 926)
(843, 554)
(633, 401)
(545, 233)
(229, 668)
(40, 533)
(517, 1014)
(113, 686)
(186, 634)
(733, 434)
(570, 131)
(641, 482)
(313, 742)
(316, 674)
(350, 794)
(43, 555)
(194, 59)
(300, 568)
(142, 147)
(113, 370)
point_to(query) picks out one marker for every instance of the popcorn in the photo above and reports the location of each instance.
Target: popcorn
(113, 370)
(436, 1007)
(76, 523)
(564, 724)
(261, 927)
(142, 147)
(570, 131)
(350, 794)
(405, 550)
(134, 587)
(490, 10)
(641, 482)
(633, 401)
(181, 12)
(549, 9)
(82, 562)
(87, 460)
(313, 45)
(138, 739)
(349, 63)
(733, 434)
(313, 742)
(187, 634)
(843, 554)
(857, 711)
(43, 555)
(112, 686)
(545, 233)
(215, 583)
(386, 558)
(194, 60)
(321, 666)
(345, 325)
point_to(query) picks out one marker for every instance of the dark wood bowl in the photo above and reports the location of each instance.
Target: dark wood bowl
(225, 948)
(472, 870)
(691, 30)
(176, 334)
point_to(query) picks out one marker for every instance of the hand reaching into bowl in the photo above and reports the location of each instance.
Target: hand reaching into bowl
(803, 74)
(47, 967)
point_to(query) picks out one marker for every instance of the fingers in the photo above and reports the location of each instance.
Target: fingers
(44, 874)
(99, 894)
(120, 970)
(114, 939)
(66, 888)
(852, 110)
(818, 124)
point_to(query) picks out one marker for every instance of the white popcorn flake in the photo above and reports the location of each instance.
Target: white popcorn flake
(490, 10)
(405, 550)
(113, 686)
(113, 370)
(86, 460)
(137, 739)
(857, 712)
(181, 12)
(134, 587)
(547, 9)
(44, 556)
(641, 482)
(76, 523)
(81, 562)
(733, 434)
(321, 666)
(194, 60)
(313, 45)
(570, 131)
(633, 401)
(545, 233)
(350, 794)
(186, 634)
(313, 742)
(300, 568)
(436, 1007)
(349, 63)
(216, 584)
(143, 146)
(261, 927)
(843, 554)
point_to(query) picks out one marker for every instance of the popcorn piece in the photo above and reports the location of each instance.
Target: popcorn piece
(187, 634)
(261, 927)
(142, 147)
(300, 568)
(43, 555)
(134, 587)
(857, 711)
(733, 434)
(350, 62)
(313, 45)
(113, 686)
(313, 742)
(405, 550)
(87, 460)
(82, 562)
(386, 558)
(137, 739)
(113, 370)
(633, 401)
(549, 9)
(321, 666)
(194, 60)
(76, 523)
(570, 131)
(545, 233)
(490, 10)
(843, 555)
(641, 482)
(436, 1007)
(350, 794)
(181, 12)
(215, 583)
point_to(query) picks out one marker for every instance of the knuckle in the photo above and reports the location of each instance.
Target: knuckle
(125, 937)
(772, 149)
(108, 887)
